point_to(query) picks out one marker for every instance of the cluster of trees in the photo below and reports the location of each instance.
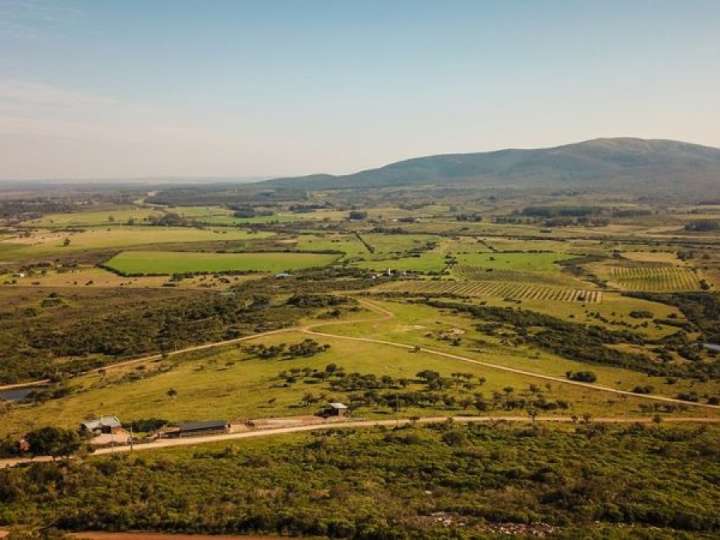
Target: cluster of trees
(146, 425)
(250, 212)
(30, 208)
(703, 225)
(587, 343)
(478, 477)
(641, 314)
(29, 344)
(292, 375)
(506, 400)
(474, 217)
(306, 300)
(428, 389)
(46, 441)
(701, 309)
(357, 215)
(306, 348)
(561, 211)
(170, 219)
(581, 376)
(307, 208)
(561, 216)
(225, 195)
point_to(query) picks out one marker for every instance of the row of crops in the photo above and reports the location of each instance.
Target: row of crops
(653, 277)
(501, 289)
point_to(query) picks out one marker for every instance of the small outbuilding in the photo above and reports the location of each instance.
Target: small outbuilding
(337, 409)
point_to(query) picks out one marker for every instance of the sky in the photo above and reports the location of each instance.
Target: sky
(232, 88)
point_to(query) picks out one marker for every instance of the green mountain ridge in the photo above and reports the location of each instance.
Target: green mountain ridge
(629, 164)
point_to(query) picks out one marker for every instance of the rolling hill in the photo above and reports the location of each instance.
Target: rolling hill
(626, 164)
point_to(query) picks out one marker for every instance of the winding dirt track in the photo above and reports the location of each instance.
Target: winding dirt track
(355, 424)
(385, 315)
(158, 356)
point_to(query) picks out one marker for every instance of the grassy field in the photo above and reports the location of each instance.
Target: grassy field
(522, 262)
(422, 325)
(348, 244)
(111, 216)
(481, 289)
(279, 217)
(430, 261)
(469, 253)
(614, 309)
(647, 276)
(49, 243)
(88, 276)
(229, 384)
(493, 264)
(171, 262)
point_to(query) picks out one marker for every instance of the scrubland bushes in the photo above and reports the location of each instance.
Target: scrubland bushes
(387, 483)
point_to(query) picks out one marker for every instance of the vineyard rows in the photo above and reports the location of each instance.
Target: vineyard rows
(654, 277)
(502, 289)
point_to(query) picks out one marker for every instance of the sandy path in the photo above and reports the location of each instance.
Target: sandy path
(389, 315)
(354, 424)
(158, 356)
(385, 315)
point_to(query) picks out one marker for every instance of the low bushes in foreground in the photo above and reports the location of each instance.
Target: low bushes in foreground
(393, 484)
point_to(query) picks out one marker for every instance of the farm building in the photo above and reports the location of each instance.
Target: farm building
(106, 431)
(207, 427)
(337, 409)
(103, 424)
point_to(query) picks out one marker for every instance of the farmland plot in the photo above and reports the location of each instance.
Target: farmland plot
(502, 289)
(131, 263)
(658, 277)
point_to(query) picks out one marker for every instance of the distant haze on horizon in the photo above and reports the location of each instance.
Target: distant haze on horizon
(186, 88)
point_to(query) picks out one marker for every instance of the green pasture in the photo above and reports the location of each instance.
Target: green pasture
(347, 243)
(397, 244)
(419, 324)
(111, 216)
(170, 262)
(228, 384)
(49, 243)
(393, 253)
(523, 262)
(431, 261)
(279, 217)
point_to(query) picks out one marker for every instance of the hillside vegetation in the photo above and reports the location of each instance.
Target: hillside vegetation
(630, 164)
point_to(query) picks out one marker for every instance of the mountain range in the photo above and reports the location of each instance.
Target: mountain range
(622, 164)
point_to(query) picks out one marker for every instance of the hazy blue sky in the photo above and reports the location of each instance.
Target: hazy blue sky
(133, 88)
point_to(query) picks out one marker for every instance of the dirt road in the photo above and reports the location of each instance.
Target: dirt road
(389, 315)
(355, 424)
(385, 315)
(158, 356)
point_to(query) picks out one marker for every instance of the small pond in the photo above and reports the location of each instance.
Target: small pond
(18, 394)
